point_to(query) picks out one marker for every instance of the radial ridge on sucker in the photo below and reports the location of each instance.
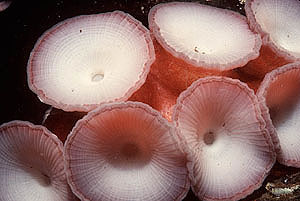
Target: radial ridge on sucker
(279, 96)
(278, 22)
(204, 36)
(88, 60)
(221, 128)
(31, 164)
(125, 151)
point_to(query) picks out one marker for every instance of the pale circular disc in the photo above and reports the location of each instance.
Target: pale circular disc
(91, 59)
(125, 151)
(204, 36)
(280, 93)
(220, 124)
(279, 23)
(31, 164)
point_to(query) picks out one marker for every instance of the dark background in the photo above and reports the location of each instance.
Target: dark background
(24, 22)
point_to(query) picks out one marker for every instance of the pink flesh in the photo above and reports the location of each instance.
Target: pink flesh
(169, 76)
(267, 61)
(155, 94)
